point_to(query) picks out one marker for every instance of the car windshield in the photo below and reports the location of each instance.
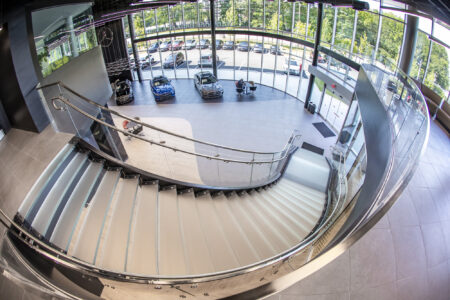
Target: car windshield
(293, 63)
(229, 43)
(258, 45)
(160, 81)
(202, 41)
(206, 56)
(207, 79)
(244, 44)
(154, 45)
(190, 42)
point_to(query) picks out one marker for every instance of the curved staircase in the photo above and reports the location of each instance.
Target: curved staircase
(124, 222)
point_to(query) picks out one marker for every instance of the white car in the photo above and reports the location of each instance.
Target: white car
(207, 85)
(207, 60)
(293, 67)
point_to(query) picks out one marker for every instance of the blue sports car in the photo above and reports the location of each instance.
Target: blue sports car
(162, 89)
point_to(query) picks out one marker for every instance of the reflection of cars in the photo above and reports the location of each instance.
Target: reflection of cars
(320, 58)
(177, 45)
(154, 47)
(229, 45)
(259, 48)
(207, 85)
(203, 44)
(162, 89)
(173, 60)
(207, 60)
(392, 86)
(165, 46)
(219, 45)
(275, 50)
(244, 46)
(293, 66)
(190, 44)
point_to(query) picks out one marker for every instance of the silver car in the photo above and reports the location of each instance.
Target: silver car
(208, 85)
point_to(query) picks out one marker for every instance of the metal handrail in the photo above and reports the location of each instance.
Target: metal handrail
(284, 152)
(61, 84)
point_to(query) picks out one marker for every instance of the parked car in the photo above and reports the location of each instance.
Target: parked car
(190, 44)
(207, 85)
(173, 60)
(165, 46)
(207, 60)
(244, 46)
(124, 92)
(275, 50)
(203, 44)
(259, 48)
(147, 61)
(320, 58)
(162, 89)
(292, 66)
(229, 45)
(177, 45)
(219, 45)
(154, 47)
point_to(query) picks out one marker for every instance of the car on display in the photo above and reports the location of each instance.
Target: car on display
(229, 45)
(259, 48)
(292, 66)
(190, 44)
(207, 84)
(165, 46)
(203, 44)
(244, 46)
(207, 60)
(219, 45)
(162, 88)
(275, 50)
(173, 60)
(177, 45)
(123, 91)
(154, 47)
(147, 61)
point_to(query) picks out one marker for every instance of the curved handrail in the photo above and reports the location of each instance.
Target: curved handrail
(284, 152)
(61, 84)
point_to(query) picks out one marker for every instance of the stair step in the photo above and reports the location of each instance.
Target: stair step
(46, 211)
(171, 249)
(275, 235)
(298, 202)
(277, 218)
(221, 252)
(242, 248)
(313, 201)
(298, 186)
(252, 230)
(67, 219)
(114, 251)
(44, 179)
(85, 247)
(197, 252)
(142, 248)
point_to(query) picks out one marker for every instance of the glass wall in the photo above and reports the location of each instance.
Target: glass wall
(62, 33)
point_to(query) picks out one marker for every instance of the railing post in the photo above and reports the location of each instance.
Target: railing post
(271, 164)
(251, 169)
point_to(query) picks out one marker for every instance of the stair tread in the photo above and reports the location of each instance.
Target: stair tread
(43, 180)
(114, 252)
(50, 203)
(221, 252)
(254, 234)
(301, 204)
(312, 200)
(86, 244)
(171, 250)
(295, 185)
(68, 218)
(142, 256)
(198, 257)
(242, 247)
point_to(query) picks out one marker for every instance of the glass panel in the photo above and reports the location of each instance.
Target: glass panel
(437, 77)
(366, 33)
(312, 24)
(327, 26)
(271, 15)
(256, 14)
(390, 40)
(420, 56)
(300, 19)
(344, 29)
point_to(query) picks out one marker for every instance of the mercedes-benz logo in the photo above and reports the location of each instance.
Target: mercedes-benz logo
(105, 37)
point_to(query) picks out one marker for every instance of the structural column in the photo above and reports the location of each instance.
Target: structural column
(316, 53)
(73, 38)
(133, 45)
(213, 37)
(409, 43)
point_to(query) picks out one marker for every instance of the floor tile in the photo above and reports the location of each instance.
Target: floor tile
(434, 243)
